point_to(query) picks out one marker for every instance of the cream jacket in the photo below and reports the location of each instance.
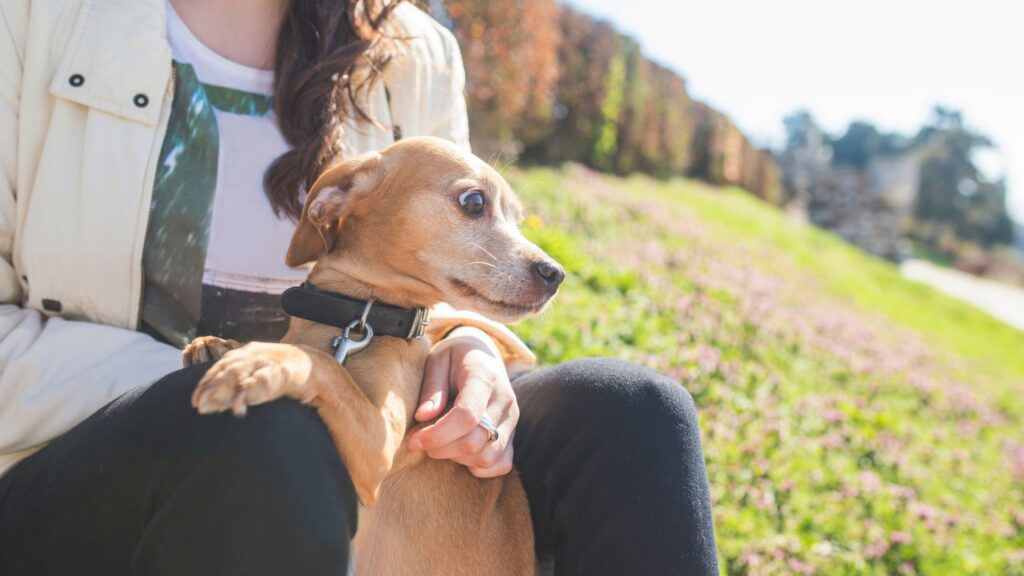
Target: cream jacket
(85, 94)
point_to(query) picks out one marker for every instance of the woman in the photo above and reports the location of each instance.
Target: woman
(133, 139)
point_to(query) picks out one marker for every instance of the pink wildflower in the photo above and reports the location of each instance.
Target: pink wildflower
(869, 481)
(900, 538)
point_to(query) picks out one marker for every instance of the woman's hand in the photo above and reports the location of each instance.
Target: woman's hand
(468, 364)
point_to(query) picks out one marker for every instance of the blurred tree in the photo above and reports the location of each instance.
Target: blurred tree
(606, 143)
(953, 195)
(510, 53)
(857, 146)
(703, 155)
(717, 147)
(562, 86)
(798, 125)
(675, 119)
(584, 54)
(862, 142)
(769, 185)
(633, 120)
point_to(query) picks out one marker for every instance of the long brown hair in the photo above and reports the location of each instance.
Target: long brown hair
(328, 55)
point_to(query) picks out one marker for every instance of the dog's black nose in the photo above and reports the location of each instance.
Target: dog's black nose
(549, 273)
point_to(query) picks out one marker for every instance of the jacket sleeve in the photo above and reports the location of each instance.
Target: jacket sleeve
(451, 121)
(517, 356)
(427, 79)
(53, 372)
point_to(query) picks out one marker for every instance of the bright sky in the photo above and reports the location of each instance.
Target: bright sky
(885, 61)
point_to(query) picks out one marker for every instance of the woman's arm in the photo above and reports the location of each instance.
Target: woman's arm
(516, 355)
(53, 372)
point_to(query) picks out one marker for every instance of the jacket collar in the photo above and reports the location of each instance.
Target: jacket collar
(119, 57)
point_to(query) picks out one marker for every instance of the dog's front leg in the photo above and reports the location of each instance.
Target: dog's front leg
(206, 349)
(367, 435)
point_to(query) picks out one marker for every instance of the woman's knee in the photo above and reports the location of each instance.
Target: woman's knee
(281, 448)
(643, 421)
(627, 392)
(280, 425)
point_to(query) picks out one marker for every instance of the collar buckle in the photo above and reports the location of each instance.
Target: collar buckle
(419, 323)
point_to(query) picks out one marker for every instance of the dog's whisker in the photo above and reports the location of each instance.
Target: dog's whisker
(485, 264)
(493, 257)
(497, 162)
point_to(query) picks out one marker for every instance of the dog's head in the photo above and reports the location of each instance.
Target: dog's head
(430, 222)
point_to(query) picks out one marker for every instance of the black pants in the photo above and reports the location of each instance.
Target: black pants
(609, 453)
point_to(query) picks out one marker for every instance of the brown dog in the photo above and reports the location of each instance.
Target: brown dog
(409, 226)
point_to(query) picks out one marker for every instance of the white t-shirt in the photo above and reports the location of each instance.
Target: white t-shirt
(247, 240)
(215, 250)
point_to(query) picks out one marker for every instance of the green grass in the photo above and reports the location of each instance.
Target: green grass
(853, 422)
(873, 285)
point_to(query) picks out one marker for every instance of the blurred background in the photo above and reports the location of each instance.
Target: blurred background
(808, 213)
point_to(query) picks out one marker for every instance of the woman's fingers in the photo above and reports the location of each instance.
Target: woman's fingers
(467, 364)
(476, 440)
(485, 459)
(464, 416)
(494, 460)
(434, 390)
(475, 449)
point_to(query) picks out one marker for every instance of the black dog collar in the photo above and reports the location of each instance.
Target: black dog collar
(311, 303)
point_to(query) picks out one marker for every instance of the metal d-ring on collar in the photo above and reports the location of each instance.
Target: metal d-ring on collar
(345, 345)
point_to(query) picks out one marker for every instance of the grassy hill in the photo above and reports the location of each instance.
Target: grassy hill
(854, 422)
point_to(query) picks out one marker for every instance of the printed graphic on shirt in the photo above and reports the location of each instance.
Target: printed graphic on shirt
(214, 250)
(179, 222)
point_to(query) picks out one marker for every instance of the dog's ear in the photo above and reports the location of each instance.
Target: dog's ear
(337, 193)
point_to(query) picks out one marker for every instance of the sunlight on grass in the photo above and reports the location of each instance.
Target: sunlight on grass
(873, 284)
(854, 422)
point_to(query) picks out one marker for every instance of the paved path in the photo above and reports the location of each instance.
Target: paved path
(1002, 301)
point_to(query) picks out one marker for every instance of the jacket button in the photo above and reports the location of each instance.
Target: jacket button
(141, 100)
(76, 80)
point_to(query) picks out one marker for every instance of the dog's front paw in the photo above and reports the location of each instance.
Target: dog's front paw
(253, 374)
(206, 349)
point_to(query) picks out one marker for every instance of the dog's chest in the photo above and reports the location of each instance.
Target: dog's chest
(390, 367)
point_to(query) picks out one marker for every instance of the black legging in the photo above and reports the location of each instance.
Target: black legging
(609, 453)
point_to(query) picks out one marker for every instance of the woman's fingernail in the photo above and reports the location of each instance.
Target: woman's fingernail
(415, 444)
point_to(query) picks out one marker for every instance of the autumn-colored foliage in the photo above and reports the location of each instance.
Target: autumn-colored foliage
(551, 84)
(585, 56)
(510, 53)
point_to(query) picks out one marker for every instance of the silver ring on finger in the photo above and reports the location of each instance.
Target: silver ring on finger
(492, 431)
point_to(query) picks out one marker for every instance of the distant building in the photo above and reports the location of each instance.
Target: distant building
(805, 163)
(868, 206)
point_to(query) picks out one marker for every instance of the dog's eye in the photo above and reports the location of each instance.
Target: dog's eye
(472, 202)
